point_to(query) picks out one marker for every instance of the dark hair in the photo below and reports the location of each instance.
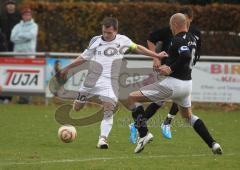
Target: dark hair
(187, 11)
(9, 2)
(110, 22)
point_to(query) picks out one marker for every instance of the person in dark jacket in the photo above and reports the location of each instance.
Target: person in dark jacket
(3, 47)
(8, 20)
(3, 44)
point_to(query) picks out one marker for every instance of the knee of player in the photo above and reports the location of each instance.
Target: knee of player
(109, 109)
(108, 106)
(186, 114)
(131, 95)
(132, 98)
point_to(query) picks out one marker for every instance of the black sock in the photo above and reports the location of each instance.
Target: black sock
(202, 131)
(140, 121)
(151, 110)
(173, 112)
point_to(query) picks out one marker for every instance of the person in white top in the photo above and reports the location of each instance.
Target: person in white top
(105, 53)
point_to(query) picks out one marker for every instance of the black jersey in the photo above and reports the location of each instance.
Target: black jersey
(197, 35)
(181, 53)
(165, 36)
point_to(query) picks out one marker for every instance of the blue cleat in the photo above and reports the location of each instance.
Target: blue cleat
(133, 133)
(166, 131)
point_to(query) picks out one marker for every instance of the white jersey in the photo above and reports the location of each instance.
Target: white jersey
(105, 64)
(105, 53)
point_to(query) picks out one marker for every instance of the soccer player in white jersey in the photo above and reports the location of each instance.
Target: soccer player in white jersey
(103, 51)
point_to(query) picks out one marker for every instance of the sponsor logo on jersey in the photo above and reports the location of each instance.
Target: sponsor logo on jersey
(110, 51)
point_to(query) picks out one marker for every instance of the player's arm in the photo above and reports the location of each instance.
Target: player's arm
(199, 44)
(144, 51)
(184, 55)
(86, 55)
(153, 39)
(151, 45)
(78, 61)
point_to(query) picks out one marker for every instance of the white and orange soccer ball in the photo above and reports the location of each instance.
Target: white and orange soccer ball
(67, 133)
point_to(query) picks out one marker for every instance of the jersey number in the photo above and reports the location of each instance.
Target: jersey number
(192, 58)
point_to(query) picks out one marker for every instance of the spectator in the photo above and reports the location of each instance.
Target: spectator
(8, 20)
(24, 34)
(24, 38)
(3, 47)
(3, 44)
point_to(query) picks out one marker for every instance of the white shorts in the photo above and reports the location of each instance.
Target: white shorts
(104, 89)
(179, 91)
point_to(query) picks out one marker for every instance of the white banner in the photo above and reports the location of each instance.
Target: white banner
(212, 81)
(216, 82)
(22, 75)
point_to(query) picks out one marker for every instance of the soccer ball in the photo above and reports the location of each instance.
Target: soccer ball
(67, 133)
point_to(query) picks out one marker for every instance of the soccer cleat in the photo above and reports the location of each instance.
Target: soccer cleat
(142, 142)
(102, 143)
(216, 149)
(166, 131)
(133, 133)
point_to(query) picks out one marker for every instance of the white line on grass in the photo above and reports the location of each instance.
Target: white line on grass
(107, 158)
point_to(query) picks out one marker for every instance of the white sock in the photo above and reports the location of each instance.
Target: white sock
(134, 106)
(193, 119)
(106, 126)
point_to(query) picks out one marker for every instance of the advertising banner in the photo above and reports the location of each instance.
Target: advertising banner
(22, 75)
(54, 65)
(216, 82)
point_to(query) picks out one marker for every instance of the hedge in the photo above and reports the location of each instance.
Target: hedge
(68, 27)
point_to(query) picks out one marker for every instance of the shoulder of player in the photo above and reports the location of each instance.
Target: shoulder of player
(122, 37)
(177, 39)
(194, 30)
(94, 40)
(180, 40)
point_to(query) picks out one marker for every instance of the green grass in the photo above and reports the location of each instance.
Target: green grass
(29, 141)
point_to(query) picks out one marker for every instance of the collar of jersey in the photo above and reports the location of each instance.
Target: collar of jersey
(180, 33)
(108, 41)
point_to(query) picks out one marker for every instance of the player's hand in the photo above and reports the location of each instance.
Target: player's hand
(61, 76)
(165, 70)
(156, 64)
(162, 54)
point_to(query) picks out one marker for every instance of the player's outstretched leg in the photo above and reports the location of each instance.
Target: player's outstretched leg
(203, 132)
(166, 125)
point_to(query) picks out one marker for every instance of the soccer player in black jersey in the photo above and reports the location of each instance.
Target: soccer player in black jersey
(177, 86)
(160, 41)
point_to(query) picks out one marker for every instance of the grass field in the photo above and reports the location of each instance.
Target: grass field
(29, 141)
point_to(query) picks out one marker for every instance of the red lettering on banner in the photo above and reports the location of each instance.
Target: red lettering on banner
(216, 68)
(224, 69)
(14, 71)
(20, 61)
